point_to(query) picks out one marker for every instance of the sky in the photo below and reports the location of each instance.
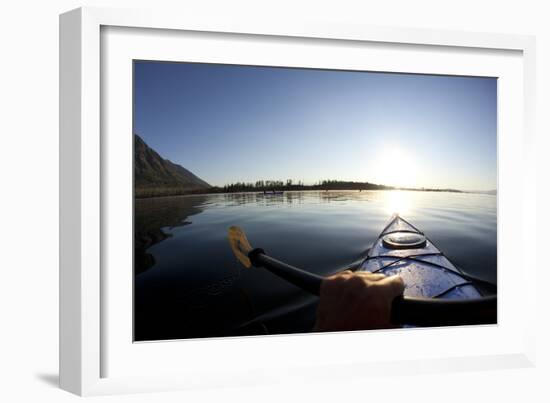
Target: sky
(229, 123)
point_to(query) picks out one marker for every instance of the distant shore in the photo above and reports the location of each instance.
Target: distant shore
(168, 192)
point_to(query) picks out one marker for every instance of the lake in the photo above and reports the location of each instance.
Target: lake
(189, 284)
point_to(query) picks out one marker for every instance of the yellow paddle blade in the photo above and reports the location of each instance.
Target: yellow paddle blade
(240, 245)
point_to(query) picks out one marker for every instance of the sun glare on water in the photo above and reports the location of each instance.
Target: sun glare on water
(398, 202)
(398, 168)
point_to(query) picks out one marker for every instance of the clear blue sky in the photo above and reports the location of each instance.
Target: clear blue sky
(243, 123)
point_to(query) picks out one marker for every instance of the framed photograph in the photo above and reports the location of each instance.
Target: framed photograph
(236, 196)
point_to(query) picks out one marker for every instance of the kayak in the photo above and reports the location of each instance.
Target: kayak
(402, 249)
(275, 192)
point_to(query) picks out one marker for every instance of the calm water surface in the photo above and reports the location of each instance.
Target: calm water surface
(188, 284)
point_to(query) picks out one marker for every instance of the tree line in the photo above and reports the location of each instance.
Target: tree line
(289, 184)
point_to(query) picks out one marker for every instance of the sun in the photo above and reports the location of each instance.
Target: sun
(394, 167)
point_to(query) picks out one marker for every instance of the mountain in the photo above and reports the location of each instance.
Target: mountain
(156, 176)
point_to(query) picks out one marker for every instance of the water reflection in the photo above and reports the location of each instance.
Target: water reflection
(261, 199)
(151, 216)
(287, 198)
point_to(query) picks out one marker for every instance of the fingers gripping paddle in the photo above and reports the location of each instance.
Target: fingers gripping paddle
(405, 310)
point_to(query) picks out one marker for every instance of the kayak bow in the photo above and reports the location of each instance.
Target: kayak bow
(437, 293)
(402, 249)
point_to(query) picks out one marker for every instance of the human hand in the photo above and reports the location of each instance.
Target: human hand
(357, 301)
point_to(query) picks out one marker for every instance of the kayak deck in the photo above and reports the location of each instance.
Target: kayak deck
(426, 271)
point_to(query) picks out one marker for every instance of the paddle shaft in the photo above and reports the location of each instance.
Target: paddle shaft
(303, 279)
(405, 310)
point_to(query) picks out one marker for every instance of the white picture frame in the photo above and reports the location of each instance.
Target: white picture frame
(87, 343)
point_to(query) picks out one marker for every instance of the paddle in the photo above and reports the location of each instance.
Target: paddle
(405, 310)
(249, 257)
